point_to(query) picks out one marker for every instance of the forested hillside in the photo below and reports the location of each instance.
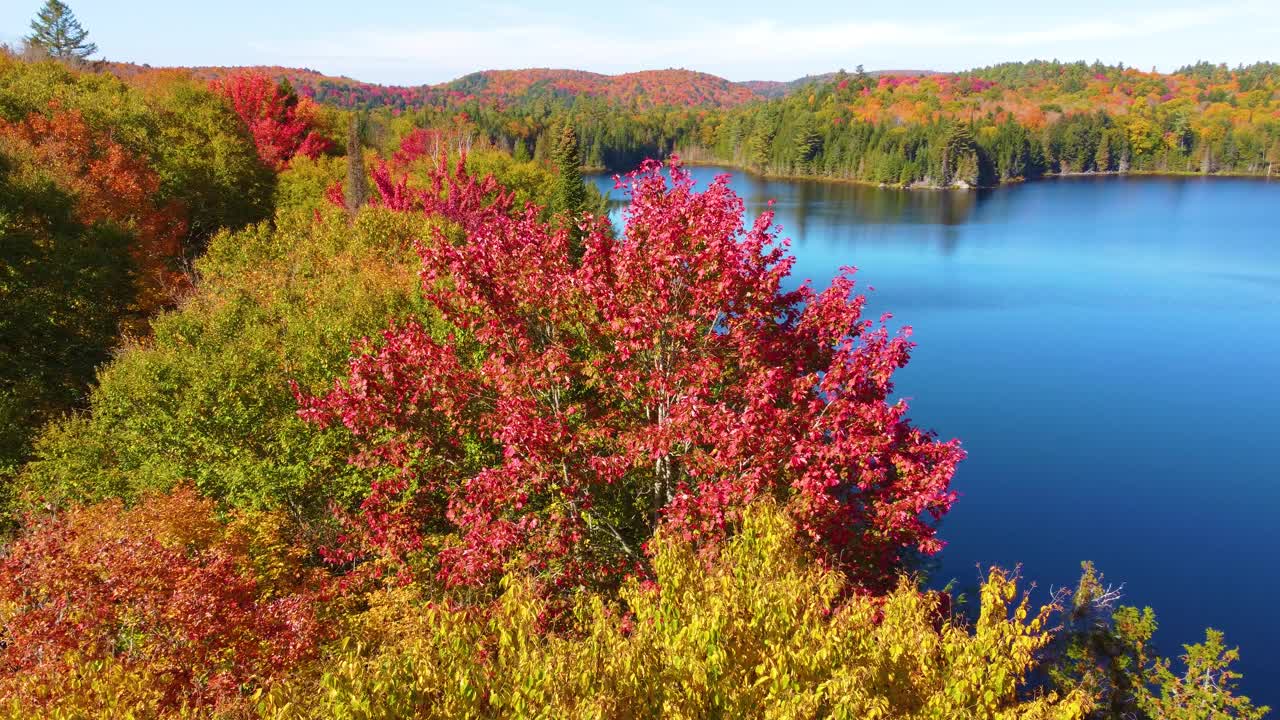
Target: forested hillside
(639, 89)
(983, 127)
(314, 413)
(1007, 122)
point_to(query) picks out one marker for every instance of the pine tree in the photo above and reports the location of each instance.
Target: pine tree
(595, 158)
(959, 162)
(760, 145)
(571, 194)
(540, 146)
(807, 142)
(1102, 158)
(357, 190)
(56, 31)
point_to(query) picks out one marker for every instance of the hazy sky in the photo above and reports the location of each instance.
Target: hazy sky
(425, 42)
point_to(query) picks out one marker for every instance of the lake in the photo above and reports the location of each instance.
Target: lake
(1108, 351)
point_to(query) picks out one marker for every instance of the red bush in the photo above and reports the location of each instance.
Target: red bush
(163, 586)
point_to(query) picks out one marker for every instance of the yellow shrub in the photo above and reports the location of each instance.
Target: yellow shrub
(758, 632)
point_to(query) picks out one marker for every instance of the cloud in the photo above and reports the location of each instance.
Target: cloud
(765, 48)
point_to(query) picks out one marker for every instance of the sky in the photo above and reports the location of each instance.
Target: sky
(410, 43)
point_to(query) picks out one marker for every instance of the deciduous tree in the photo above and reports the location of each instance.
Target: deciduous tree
(668, 377)
(270, 111)
(110, 185)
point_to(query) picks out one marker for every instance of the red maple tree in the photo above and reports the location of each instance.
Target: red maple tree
(567, 400)
(274, 115)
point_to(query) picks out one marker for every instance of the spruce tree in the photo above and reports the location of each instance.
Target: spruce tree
(520, 151)
(959, 161)
(1102, 158)
(357, 190)
(571, 194)
(56, 31)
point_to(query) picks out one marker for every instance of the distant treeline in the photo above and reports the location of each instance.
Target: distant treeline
(984, 127)
(1006, 123)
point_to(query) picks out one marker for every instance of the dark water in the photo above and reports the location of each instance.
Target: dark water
(1107, 351)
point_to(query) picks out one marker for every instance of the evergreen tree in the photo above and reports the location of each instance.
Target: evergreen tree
(760, 144)
(959, 162)
(357, 190)
(571, 194)
(56, 31)
(540, 147)
(595, 158)
(1102, 158)
(807, 142)
(519, 150)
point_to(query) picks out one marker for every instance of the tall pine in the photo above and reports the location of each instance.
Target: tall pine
(56, 31)
(571, 194)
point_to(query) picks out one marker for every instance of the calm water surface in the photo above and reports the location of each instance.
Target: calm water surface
(1107, 351)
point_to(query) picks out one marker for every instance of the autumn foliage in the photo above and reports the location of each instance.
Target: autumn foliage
(649, 88)
(755, 632)
(277, 119)
(560, 410)
(109, 185)
(165, 589)
(571, 470)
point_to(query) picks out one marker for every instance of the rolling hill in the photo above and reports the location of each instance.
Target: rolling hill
(649, 88)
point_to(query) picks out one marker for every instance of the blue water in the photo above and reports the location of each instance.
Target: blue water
(1108, 351)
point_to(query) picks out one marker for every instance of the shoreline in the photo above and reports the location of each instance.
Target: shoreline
(1007, 183)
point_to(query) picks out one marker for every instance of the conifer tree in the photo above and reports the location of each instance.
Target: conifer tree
(571, 194)
(540, 146)
(520, 150)
(1102, 158)
(357, 190)
(959, 162)
(807, 142)
(56, 31)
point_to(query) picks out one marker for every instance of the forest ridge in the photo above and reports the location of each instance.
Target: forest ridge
(982, 127)
(1045, 82)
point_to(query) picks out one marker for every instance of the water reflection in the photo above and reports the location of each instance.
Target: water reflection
(848, 212)
(833, 202)
(1107, 349)
(1173, 223)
